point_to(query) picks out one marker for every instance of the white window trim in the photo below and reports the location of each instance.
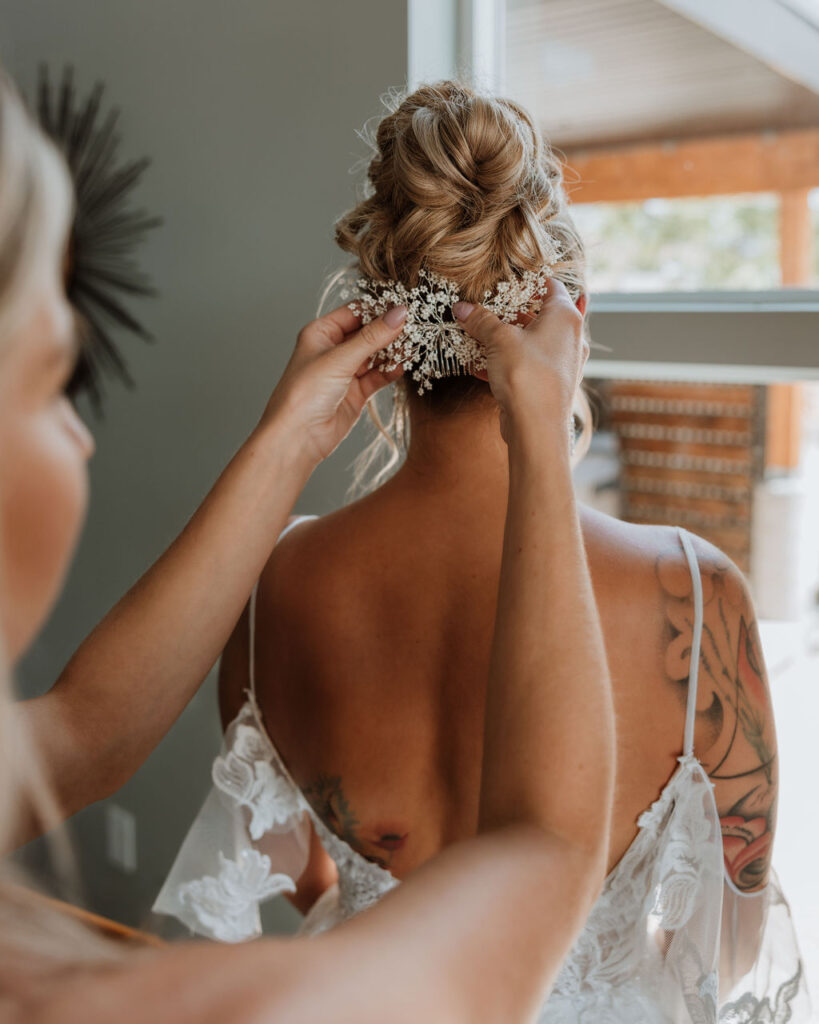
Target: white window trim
(457, 39)
(775, 300)
(748, 337)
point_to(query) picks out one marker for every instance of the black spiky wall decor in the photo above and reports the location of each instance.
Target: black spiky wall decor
(101, 268)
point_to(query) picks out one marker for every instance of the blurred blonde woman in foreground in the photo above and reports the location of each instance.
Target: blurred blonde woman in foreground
(479, 933)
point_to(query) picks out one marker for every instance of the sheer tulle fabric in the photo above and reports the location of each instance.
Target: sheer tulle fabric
(248, 843)
(669, 940)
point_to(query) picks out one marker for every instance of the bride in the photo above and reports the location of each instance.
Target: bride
(364, 654)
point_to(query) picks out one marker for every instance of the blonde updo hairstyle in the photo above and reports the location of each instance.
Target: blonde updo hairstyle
(462, 184)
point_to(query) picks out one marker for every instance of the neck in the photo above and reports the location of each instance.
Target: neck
(458, 457)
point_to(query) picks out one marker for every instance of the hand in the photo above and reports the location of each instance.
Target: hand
(328, 381)
(533, 371)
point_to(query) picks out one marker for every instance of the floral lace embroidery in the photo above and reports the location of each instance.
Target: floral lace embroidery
(252, 774)
(227, 905)
(361, 883)
(750, 1010)
(687, 844)
(643, 915)
(246, 775)
(654, 886)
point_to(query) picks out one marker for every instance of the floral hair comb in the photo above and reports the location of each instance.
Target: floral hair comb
(433, 344)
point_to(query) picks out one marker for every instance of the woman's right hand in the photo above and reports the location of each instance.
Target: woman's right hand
(533, 371)
(328, 380)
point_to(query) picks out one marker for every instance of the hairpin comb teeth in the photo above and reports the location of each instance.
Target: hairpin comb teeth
(432, 343)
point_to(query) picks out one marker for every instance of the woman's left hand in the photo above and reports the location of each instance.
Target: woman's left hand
(328, 380)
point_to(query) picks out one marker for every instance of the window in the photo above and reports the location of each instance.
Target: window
(691, 133)
(690, 244)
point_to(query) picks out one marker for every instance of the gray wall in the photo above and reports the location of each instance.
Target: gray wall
(248, 110)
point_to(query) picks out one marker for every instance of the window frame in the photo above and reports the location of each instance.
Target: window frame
(748, 336)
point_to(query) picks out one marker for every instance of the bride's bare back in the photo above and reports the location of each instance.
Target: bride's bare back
(374, 630)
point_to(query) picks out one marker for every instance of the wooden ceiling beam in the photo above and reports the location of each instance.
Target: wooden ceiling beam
(723, 165)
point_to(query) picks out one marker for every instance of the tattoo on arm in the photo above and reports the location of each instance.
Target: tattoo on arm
(734, 729)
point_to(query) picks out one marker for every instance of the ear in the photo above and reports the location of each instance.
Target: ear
(582, 303)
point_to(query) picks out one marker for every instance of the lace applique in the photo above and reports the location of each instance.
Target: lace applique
(652, 890)
(246, 775)
(687, 846)
(750, 1010)
(227, 905)
(361, 883)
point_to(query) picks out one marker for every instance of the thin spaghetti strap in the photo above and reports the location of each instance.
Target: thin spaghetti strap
(251, 615)
(696, 641)
(251, 647)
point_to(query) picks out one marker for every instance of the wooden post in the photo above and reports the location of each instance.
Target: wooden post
(795, 238)
(783, 442)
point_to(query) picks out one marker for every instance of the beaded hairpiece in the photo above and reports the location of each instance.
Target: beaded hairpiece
(433, 344)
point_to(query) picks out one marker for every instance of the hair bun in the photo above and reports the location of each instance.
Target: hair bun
(462, 184)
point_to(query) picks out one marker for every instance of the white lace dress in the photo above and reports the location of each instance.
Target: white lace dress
(669, 940)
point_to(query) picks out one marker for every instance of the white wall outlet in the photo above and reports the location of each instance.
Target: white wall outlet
(120, 838)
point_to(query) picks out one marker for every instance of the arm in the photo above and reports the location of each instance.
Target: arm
(478, 934)
(132, 677)
(453, 944)
(742, 762)
(735, 737)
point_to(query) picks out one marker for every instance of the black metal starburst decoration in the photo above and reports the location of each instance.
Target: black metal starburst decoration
(102, 272)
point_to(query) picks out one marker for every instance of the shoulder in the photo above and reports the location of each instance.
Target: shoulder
(298, 595)
(734, 734)
(323, 579)
(316, 565)
(735, 737)
(651, 562)
(635, 567)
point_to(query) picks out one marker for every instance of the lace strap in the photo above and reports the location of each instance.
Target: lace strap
(696, 641)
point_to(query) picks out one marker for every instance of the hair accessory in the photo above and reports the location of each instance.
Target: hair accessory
(433, 344)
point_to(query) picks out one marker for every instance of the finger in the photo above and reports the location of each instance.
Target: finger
(333, 327)
(480, 324)
(375, 380)
(357, 347)
(555, 297)
(344, 318)
(361, 389)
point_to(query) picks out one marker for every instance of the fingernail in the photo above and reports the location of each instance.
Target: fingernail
(462, 310)
(396, 316)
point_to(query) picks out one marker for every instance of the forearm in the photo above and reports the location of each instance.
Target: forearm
(461, 939)
(548, 756)
(454, 943)
(134, 674)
